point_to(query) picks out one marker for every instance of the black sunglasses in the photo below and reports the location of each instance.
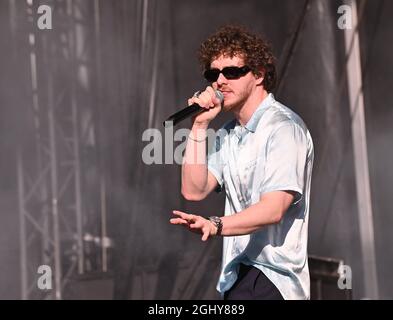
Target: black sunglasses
(230, 73)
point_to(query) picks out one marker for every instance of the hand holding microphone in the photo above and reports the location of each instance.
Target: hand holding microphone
(204, 107)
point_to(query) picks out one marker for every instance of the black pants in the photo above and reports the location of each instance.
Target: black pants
(252, 284)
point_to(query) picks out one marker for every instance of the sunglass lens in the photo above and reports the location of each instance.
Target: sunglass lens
(211, 75)
(231, 72)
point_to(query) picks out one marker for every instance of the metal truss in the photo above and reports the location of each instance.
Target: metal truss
(61, 193)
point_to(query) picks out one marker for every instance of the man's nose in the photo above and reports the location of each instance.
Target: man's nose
(221, 79)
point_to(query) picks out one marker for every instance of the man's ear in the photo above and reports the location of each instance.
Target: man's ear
(260, 78)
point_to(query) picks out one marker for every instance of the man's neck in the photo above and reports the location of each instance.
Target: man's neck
(244, 114)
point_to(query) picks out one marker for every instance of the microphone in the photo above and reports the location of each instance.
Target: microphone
(189, 111)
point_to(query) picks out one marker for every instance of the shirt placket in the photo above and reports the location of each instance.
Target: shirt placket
(241, 134)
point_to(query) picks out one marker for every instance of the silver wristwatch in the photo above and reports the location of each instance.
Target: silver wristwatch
(217, 222)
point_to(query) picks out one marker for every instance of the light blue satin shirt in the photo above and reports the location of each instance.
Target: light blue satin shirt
(273, 151)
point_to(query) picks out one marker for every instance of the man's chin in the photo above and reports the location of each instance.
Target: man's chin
(225, 108)
(228, 107)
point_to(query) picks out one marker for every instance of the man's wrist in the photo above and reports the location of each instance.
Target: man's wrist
(198, 133)
(200, 126)
(217, 222)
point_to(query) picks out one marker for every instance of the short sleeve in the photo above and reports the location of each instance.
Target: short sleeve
(286, 156)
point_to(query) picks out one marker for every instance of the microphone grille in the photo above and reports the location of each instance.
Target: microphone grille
(219, 95)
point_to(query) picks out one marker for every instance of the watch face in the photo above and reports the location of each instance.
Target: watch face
(215, 219)
(217, 222)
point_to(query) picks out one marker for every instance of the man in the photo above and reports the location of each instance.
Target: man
(264, 162)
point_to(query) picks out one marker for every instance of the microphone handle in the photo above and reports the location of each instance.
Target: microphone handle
(183, 114)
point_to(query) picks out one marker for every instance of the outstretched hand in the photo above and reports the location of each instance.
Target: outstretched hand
(195, 224)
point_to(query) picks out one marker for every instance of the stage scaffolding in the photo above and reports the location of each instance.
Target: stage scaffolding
(60, 191)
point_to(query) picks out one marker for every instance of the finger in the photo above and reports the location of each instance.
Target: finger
(206, 234)
(198, 224)
(178, 212)
(211, 92)
(216, 101)
(188, 218)
(178, 221)
(183, 215)
(206, 99)
(213, 95)
(198, 101)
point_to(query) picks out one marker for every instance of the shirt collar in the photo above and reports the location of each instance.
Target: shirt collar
(256, 116)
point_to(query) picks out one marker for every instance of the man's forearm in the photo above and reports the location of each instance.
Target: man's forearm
(249, 220)
(194, 168)
(269, 210)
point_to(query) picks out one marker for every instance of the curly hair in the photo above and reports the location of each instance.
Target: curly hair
(233, 40)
